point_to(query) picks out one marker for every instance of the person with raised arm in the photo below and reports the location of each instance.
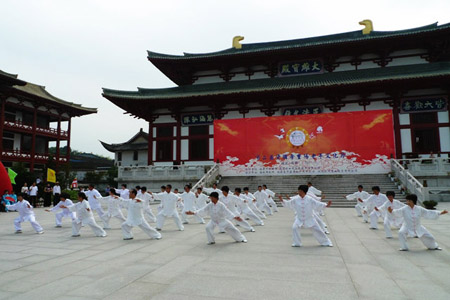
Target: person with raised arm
(245, 209)
(114, 207)
(390, 219)
(64, 200)
(26, 214)
(220, 216)
(231, 202)
(251, 201)
(375, 200)
(261, 200)
(360, 194)
(412, 214)
(200, 198)
(188, 198)
(92, 194)
(270, 201)
(304, 207)
(168, 205)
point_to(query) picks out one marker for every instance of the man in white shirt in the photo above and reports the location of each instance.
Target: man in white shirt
(214, 188)
(26, 214)
(33, 194)
(124, 192)
(360, 194)
(375, 200)
(316, 192)
(65, 212)
(252, 203)
(201, 199)
(91, 195)
(56, 193)
(261, 200)
(147, 198)
(168, 208)
(188, 198)
(271, 199)
(390, 219)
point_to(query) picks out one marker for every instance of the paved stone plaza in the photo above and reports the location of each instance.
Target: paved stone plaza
(362, 263)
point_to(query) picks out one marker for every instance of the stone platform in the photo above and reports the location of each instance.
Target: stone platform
(362, 263)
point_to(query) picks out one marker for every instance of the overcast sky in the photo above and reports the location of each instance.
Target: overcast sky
(75, 48)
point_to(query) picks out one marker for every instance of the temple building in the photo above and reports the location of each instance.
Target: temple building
(406, 71)
(31, 120)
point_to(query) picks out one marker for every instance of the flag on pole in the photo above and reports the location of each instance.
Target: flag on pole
(51, 175)
(74, 183)
(12, 175)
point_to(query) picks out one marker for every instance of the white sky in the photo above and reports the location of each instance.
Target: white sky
(75, 48)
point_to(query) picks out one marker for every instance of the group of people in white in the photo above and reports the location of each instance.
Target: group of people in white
(227, 210)
(395, 214)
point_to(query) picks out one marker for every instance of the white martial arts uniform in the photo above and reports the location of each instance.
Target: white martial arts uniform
(411, 223)
(210, 190)
(270, 200)
(95, 205)
(246, 210)
(304, 208)
(363, 195)
(220, 216)
(372, 202)
(261, 201)
(65, 212)
(84, 217)
(168, 209)
(26, 214)
(124, 193)
(391, 219)
(114, 209)
(201, 200)
(135, 217)
(251, 200)
(147, 198)
(189, 205)
(230, 202)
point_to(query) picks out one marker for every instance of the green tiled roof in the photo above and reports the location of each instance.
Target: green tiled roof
(128, 145)
(334, 79)
(10, 79)
(348, 37)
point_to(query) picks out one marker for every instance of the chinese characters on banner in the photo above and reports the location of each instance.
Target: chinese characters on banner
(314, 66)
(424, 105)
(197, 119)
(302, 110)
(327, 143)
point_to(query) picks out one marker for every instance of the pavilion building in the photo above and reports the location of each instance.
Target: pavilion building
(30, 119)
(406, 71)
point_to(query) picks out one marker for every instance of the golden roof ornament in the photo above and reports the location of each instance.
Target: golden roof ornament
(369, 26)
(236, 41)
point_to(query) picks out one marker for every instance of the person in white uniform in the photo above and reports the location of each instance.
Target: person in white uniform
(220, 216)
(375, 200)
(245, 209)
(114, 207)
(360, 194)
(252, 203)
(135, 217)
(261, 201)
(188, 198)
(124, 192)
(231, 201)
(304, 207)
(84, 217)
(271, 198)
(316, 192)
(92, 194)
(147, 198)
(168, 208)
(65, 212)
(214, 188)
(390, 219)
(412, 214)
(26, 214)
(200, 198)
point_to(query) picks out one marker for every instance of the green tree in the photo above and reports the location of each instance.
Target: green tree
(112, 175)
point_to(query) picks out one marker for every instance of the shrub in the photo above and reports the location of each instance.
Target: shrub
(430, 204)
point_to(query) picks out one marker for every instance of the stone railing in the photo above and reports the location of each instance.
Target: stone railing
(208, 178)
(409, 182)
(143, 173)
(427, 166)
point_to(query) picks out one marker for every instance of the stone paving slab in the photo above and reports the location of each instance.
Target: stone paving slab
(363, 264)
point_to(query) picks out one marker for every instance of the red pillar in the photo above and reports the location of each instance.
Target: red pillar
(58, 142)
(150, 143)
(398, 139)
(178, 139)
(33, 139)
(68, 139)
(2, 121)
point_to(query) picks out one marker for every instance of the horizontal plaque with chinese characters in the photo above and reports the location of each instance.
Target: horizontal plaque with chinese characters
(306, 110)
(197, 119)
(304, 67)
(425, 104)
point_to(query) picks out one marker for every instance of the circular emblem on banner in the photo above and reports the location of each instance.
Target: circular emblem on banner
(297, 137)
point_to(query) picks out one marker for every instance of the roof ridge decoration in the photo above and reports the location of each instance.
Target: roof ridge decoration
(368, 26)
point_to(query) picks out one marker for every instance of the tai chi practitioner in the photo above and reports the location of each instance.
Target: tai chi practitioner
(245, 209)
(390, 219)
(92, 194)
(124, 192)
(375, 200)
(189, 198)
(360, 194)
(214, 188)
(200, 199)
(147, 198)
(261, 201)
(220, 216)
(168, 208)
(317, 193)
(114, 207)
(412, 214)
(65, 212)
(135, 217)
(304, 207)
(270, 201)
(84, 217)
(26, 214)
(230, 202)
(252, 203)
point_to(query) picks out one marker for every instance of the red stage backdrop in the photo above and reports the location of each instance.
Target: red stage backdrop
(330, 143)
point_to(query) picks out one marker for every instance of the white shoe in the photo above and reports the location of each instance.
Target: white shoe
(252, 230)
(244, 241)
(40, 232)
(326, 232)
(437, 248)
(403, 249)
(295, 245)
(329, 245)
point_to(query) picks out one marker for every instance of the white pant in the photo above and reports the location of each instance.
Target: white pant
(227, 226)
(426, 238)
(249, 213)
(272, 204)
(387, 227)
(317, 233)
(61, 215)
(150, 231)
(256, 210)
(366, 215)
(108, 217)
(160, 218)
(320, 221)
(264, 207)
(358, 209)
(185, 219)
(32, 221)
(98, 231)
(374, 215)
(102, 216)
(149, 213)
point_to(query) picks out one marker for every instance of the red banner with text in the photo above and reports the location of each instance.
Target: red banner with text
(329, 143)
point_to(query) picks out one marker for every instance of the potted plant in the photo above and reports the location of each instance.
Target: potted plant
(430, 204)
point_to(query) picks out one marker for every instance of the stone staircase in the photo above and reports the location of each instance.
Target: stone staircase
(334, 187)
